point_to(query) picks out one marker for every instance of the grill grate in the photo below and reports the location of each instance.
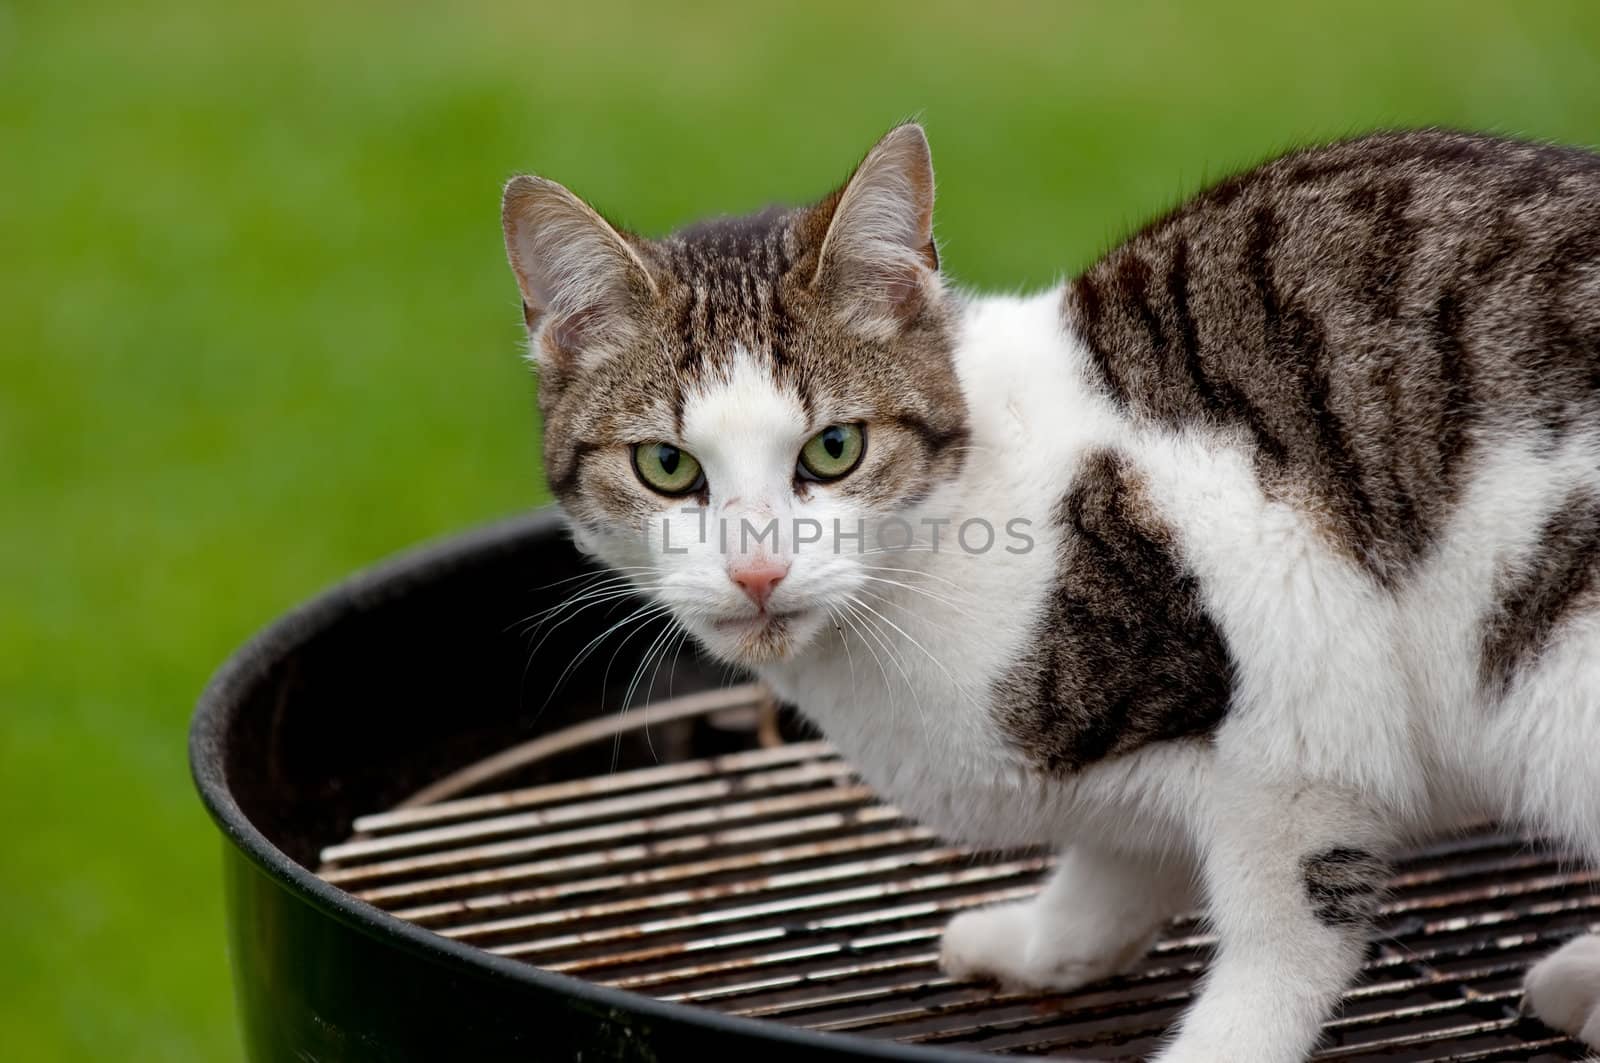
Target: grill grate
(772, 884)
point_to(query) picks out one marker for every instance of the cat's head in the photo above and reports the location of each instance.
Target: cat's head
(714, 399)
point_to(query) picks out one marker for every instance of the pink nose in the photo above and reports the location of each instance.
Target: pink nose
(757, 578)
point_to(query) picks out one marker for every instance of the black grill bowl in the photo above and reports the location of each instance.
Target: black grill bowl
(365, 695)
(738, 871)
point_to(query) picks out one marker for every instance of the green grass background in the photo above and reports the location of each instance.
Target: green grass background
(256, 330)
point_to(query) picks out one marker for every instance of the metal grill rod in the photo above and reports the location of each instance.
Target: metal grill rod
(771, 885)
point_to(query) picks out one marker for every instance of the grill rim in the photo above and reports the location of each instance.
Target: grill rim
(230, 689)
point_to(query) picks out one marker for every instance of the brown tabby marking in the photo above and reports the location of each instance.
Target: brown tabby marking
(1562, 572)
(1365, 315)
(1127, 654)
(1345, 886)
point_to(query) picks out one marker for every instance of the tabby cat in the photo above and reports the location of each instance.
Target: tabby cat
(1265, 547)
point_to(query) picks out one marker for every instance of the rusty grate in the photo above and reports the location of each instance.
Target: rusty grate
(773, 884)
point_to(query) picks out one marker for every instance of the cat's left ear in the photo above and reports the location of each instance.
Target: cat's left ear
(878, 263)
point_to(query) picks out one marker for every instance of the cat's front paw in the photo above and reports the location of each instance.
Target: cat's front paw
(1563, 989)
(1011, 945)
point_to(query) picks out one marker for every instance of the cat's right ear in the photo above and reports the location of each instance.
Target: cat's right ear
(583, 286)
(878, 262)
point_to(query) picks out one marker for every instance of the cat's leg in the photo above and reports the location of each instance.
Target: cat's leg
(1544, 740)
(1293, 877)
(1095, 917)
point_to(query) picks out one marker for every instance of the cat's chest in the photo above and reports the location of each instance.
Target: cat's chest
(923, 747)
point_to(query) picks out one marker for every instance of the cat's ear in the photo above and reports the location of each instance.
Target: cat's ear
(583, 286)
(878, 263)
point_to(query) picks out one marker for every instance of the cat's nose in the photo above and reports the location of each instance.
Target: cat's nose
(757, 578)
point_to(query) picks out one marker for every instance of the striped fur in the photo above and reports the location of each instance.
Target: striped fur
(1365, 316)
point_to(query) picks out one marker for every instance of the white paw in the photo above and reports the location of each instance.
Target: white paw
(1563, 989)
(1008, 944)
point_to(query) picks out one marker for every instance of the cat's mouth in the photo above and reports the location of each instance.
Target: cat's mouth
(761, 638)
(756, 623)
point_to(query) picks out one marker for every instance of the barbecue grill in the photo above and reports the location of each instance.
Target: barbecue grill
(432, 853)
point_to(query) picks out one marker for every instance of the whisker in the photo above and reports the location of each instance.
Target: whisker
(898, 660)
(594, 578)
(962, 611)
(909, 548)
(608, 570)
(672, 670)
(645, 612)
(605, 577)
(919, 572)
(905, 635)
(894, 658)
(833, 614)
(601, 582)
(887, 685)
(584, 604)
(605, 677)
(627, 697)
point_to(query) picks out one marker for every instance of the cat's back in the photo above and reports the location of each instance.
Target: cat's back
(1370, 317)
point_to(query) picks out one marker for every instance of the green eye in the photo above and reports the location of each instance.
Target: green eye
(832, 452)
(663, 467)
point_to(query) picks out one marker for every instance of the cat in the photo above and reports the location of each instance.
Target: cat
(1265, 546)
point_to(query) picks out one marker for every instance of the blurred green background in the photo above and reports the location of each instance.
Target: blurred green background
(256, 330)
